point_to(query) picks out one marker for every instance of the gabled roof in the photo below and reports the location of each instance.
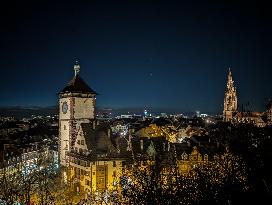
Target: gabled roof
(77, 85)
(97, 139)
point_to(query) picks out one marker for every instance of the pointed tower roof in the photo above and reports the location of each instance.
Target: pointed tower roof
(77, 84)
(229, 75)
(230, 82)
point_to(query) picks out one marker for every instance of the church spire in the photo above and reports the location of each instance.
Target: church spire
(229, 75)
(230, 100)
(76, 68)
(230, 84)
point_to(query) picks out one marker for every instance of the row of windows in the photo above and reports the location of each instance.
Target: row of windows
(79, 150)
(86, 163)
(79, 171)
(80, 142)
(80, 162)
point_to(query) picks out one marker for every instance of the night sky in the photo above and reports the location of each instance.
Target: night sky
(151, 54)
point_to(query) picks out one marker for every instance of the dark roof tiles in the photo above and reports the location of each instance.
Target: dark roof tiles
(98, 139)
(77, 85)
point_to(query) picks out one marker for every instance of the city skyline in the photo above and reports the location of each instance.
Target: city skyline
(137, 55)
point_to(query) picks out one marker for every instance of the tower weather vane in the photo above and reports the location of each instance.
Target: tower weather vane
(76, 68)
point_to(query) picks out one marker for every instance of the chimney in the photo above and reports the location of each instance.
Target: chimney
(142, 145)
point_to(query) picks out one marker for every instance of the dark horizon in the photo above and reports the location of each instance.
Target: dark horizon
(153, 54)
(26, 111)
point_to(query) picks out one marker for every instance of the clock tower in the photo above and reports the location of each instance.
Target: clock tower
(76, 106)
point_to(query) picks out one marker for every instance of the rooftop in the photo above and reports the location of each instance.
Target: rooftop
(77, 85)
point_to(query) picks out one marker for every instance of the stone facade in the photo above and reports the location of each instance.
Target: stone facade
(230, 100)
(86, 151)
(231, 114)
(76, 106)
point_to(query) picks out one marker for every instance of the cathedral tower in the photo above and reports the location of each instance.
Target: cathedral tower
(269, 112)
(76, 106)
(230, 100)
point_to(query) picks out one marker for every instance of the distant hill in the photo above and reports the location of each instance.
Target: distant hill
(22, 111)
(27, 111)
(140, 111)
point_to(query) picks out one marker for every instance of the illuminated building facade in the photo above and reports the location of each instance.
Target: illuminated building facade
(120, 127)
(230, 99)
(76, 106)
(26, 160)
(187, 161)
(87, 149)
(231, 114)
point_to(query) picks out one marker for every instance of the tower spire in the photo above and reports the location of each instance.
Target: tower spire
(230, 100)
(76, 68)
(229, 75)
(230, 81)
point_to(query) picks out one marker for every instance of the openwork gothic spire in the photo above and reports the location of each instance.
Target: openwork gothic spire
(230, 100)
(230, 82)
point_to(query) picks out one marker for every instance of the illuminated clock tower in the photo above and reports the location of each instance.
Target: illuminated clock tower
(76, 106)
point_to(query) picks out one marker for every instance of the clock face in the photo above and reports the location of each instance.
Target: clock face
(64, 107)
